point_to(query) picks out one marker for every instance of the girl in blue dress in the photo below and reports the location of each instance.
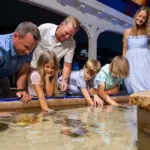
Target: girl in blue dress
(135, 49)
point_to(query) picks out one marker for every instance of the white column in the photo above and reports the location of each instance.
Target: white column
(95, 31)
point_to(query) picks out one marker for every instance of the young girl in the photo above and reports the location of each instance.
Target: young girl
(42, 80)
(109, 78)
(81, 81)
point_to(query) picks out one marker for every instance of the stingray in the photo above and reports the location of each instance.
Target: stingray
(77, 132)
(70, 122)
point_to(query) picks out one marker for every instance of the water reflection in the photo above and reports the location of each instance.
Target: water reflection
(70, 122)
(88, 128)
(102, 125)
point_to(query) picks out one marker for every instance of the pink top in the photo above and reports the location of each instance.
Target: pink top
(34, 78)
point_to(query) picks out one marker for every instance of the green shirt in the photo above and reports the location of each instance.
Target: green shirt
(105, 76)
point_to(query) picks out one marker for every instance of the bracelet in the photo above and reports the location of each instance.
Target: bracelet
(18, 90)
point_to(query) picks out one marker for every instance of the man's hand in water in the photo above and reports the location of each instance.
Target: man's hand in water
(24, 97)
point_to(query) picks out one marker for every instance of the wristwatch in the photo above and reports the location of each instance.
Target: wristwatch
(18, 90)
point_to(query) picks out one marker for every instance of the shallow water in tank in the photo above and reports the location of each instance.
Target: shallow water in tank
(82, 128)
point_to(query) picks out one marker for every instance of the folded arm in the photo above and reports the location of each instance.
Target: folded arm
(50, 86)
(114, 90)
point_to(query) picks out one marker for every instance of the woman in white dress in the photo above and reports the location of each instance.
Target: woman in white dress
(135, 49)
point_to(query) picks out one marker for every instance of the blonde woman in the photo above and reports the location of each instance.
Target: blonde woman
(135, 49)
(109, 78)
(42, 80)
(80, 82)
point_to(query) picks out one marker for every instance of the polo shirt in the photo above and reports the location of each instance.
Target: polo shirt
(105, 76)
(48, 43)
(10, 61)
(77, 82)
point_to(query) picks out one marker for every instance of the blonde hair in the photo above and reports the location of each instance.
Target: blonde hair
(75, 22)
(145, 30)
(93, 66)
(120, 66)
(47, 57)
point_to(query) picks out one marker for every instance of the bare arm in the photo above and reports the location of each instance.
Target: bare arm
(40, 94)
(105, 96)
(66, 70)
(126, 33)
(22, 82)
(65, 76)
(22, 76)
(50, 87)
(114, 90)
(87, 96)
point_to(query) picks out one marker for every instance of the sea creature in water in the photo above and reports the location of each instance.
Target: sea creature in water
(94, 126)
(3, 126)
(76, 132)
(27, 119)
(70, 122)
(75, 128)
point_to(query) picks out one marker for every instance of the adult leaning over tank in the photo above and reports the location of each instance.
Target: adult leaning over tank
(58, 39)
(15, 56)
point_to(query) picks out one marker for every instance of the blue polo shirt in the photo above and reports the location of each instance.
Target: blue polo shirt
(77, 82)
(10, 61)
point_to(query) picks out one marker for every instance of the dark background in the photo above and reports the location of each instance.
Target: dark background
(12, 12)
(127, 7)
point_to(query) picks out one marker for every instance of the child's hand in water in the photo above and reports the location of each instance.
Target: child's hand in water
(115, 104)
(98, 101)
(48, 112)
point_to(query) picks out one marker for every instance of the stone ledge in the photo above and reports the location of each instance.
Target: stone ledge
(54, 102)
(141, 99)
